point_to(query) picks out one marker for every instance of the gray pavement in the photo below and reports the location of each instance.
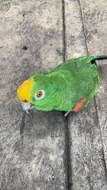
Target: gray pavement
(53, 153)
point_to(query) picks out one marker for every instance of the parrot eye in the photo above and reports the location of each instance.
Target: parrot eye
(40, 95)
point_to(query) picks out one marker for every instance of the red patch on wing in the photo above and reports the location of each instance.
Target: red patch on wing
(79, 104)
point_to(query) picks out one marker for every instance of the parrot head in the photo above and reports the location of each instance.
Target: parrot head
(36, 92)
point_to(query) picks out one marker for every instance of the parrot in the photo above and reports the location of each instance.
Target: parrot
(69, 87)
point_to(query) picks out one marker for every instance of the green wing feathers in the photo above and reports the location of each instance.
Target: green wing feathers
(80, 78)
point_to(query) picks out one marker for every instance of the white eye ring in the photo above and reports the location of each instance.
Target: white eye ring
(40, 95)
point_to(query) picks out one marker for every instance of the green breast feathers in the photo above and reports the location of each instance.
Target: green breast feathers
(68, 87)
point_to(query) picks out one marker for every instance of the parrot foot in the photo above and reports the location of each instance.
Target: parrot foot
(79, 104)
(66, 114)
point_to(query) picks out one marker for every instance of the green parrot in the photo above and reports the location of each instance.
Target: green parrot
(68, 87)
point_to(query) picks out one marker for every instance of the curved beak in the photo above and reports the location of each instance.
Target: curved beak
(26, 106)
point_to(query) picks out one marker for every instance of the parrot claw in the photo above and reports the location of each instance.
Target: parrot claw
(27, 111)
(66, 114)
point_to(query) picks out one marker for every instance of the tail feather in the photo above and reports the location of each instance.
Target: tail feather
(97, 58)
(101, 57)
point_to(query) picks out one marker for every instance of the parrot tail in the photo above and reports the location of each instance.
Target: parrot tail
(100, 57)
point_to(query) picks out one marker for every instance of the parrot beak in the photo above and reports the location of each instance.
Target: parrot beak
(24, 94)
(26, 106)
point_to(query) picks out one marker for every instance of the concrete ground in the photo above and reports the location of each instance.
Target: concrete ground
(54, 153)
